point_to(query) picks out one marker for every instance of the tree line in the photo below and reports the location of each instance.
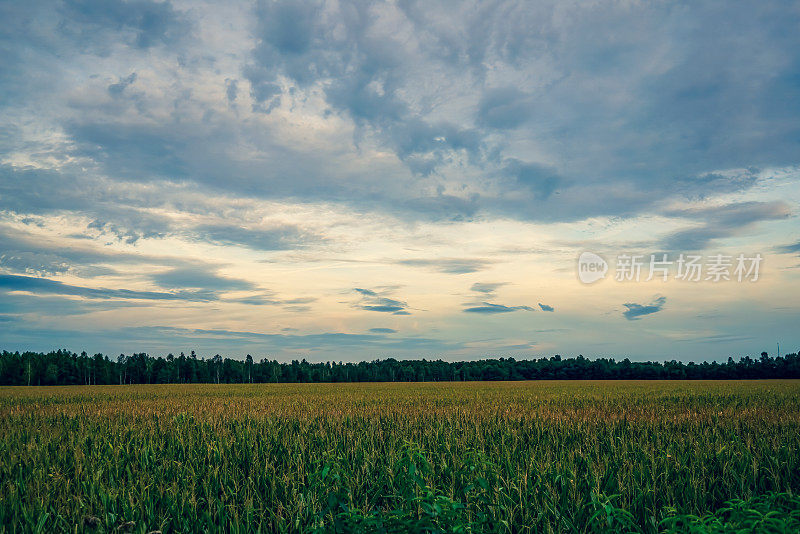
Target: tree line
(63, 367)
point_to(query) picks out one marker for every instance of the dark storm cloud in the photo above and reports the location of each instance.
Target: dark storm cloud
(635, 311)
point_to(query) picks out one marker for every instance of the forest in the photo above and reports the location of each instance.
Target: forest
(63, 367)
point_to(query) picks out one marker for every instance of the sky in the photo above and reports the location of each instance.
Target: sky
(358, 180)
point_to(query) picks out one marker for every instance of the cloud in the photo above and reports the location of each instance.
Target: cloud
(719, 222)
(257, 300)
(143, 23)
(377, 301)
(542, 180)
(309, 341)
(487, 288)
(28, 253)
(129, 235)
(793, 248)
(504, 107)
(450, 265)
(362, 67)
(29, 308)
(602, 120)
(718, 338)
(231, 90)
(635, 311)
(54, 287)
(298, 309)
(487, 291)
(545, 307)
(365, 292)
(489, 308)
(31, 263)
(281, 238)
(211, 340)
(390, 306)
(182, 140)
(383, 330)
(268, 299)
(199, 277)
(116, 89)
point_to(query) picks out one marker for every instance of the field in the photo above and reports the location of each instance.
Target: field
(438, 457)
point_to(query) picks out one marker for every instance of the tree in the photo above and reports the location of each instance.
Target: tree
(248, 367)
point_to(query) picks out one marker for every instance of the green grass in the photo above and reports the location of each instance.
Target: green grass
(435, 457)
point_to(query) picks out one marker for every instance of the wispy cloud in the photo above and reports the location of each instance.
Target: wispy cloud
(450, 265)
(793, 248)
(198, 277)
(375, 301)
(489, 308)
(54, 287)
(487, 288)
(722, 221)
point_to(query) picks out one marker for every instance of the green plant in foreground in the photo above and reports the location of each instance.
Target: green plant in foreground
(503, 457)
(417, 507)
(770, 513)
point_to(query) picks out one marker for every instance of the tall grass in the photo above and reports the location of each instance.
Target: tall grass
(457, 457)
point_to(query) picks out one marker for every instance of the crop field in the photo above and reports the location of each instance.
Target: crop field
(580, 456)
